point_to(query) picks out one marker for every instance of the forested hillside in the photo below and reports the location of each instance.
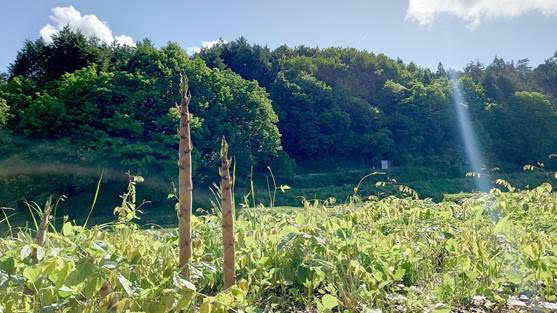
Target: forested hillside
(80, 102)
(346, 103)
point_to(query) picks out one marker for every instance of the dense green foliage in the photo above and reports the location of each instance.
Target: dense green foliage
(392, 254)
(341, 103)
(79, 103)
(116, 105)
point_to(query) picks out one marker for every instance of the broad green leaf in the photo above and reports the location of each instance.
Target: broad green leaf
(122, 305)
(49, 296)
(50, 268)
(3, 279)
(514, 276)
(58, 277)
(126, 284)
(464, 263)
(224, 298)
(109, 264)
(182, 283)
(65, 291)
(399, 274)
(80, 273)
(244, 285)
(529, 250)
(329, 301)
(92, 286)
(503, 225)
(205, 306)
(40, 253)
(8, 265)
(32, 273)
(68, 229)
(184, 300)
(237, 292)
(25, 251)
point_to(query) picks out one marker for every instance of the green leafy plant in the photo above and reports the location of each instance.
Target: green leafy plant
(384, 254)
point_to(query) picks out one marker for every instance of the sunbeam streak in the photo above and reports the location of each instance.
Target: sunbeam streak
(469, 136)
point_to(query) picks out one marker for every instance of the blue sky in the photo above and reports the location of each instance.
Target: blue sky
(454, 32)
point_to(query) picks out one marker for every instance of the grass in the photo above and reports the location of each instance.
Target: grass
(391, 254)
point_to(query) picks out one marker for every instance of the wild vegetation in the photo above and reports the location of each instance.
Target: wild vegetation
(394, 254)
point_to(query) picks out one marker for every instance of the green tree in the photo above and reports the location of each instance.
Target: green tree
(123, 112)
(545, 76)
(525, 128)
(69, 51)
(250, 61)
(4, 112)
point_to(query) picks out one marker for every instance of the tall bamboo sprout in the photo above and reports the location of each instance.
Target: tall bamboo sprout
(227, 217)
(184, 179)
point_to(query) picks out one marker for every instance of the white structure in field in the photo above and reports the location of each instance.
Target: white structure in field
(385, 164)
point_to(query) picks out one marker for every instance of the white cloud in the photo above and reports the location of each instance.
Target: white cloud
(193, 50)
(88, 24)
(125, 40)
(424, 12)
(204, 45)
(210, 44)
(47, 32)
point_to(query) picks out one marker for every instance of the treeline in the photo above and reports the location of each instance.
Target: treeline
(343, 103)
(84, 101)
(115, 106)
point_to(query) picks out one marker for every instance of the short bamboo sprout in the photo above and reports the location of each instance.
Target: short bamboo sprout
(42, 229)
(227, 217)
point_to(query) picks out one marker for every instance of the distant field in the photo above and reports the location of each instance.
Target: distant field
(340, 184)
